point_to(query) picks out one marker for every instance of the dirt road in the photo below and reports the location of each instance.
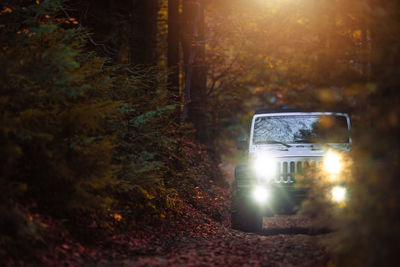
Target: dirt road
(284, 241)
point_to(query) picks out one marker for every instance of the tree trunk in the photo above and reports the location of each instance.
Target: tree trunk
(144, 32)
(195, 104)
(173, 49)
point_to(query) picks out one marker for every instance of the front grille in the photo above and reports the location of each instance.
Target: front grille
(288, 171)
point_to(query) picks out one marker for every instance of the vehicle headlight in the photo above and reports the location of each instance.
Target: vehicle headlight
(260, 194)
(264, 166)
(332, 162)
(338, 194)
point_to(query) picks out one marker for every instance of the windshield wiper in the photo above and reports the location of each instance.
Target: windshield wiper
(306, 141)
(277, 142)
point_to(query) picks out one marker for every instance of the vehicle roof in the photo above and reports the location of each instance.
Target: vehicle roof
(288, 110)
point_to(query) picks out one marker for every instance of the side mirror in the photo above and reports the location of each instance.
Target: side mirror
(241, 143)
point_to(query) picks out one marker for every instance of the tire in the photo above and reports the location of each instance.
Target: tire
(290, 209)
(244, 216)
(269, 213)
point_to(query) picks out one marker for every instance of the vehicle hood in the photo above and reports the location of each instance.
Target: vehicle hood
(298, 150)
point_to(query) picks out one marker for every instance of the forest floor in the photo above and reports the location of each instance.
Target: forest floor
(284, 241)
(201, 236)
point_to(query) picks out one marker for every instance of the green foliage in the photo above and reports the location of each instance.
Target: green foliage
(149, 147)
(55, 143)
(79, 134)
(94, 144)
(74, 129)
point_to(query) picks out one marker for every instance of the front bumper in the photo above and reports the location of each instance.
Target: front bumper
(279, 197)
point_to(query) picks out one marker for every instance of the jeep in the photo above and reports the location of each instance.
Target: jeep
(285, 148)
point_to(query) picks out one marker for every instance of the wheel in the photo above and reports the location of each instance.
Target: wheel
(246, 222)
(290, 209)
(269, 213)
(244, 216)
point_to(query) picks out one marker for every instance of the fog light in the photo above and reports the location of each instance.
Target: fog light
(338, 194)
(260, 194)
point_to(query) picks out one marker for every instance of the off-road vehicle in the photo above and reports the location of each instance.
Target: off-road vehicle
(283, 146)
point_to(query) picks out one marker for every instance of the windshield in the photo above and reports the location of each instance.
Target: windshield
(291, 129)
